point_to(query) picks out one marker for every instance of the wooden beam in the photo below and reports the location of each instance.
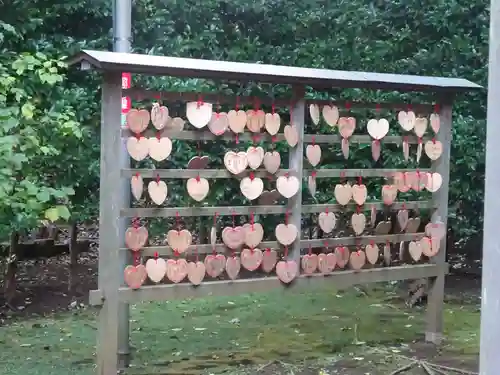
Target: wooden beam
(138, 93)
(302, 244)
(435, 300)
(337, 279)
(223, 173)
(262, 210)
(205, 135)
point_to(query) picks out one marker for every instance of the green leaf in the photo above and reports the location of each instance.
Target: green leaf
(63, 212)
(43, 196)
(27, 111)
(52, 214)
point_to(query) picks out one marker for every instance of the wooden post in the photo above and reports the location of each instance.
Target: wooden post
(295, 162)
(434, 329)
(110, 203)
(73, 255)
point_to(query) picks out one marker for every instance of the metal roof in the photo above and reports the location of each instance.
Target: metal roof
(317, 78)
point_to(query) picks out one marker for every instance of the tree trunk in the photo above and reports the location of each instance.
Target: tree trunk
(73, 256)
(10, 275)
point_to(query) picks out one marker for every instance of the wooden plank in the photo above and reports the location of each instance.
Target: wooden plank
(261, 210)
(138, 93)
(204, 135)
(337, 280)
(110, 202)
(223, 173)
(295, 164)
(303, 244)
(435, 304)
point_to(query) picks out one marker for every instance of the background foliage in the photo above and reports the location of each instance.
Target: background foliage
(442, 38)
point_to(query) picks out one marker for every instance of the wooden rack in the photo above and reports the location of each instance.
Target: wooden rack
(113, 296)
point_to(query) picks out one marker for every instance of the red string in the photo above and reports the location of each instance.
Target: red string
(313, 140)
(348, 106)
(326, 210)
(252, 176)
(255, 139)
(137, 257)
(138, 136)
(176, 253)
(268, 250)
(286, 252)
(237, 104)
(286, 217)
(342, 176)
(215, 219)
(434, 140)
(358, 209)
(178, 222)
(405, 138)
(360, 180)
(199, 103)
(157, 178)
(403, 206)
(256, 104)
(419, 140)
(135, 222)
(377, 108)
(274, 139)
(198, 178)
(273, 108)
(408, 107)
(326, 245)
(313, 174)
(156, 255)
(372, 243)
(137, 174)
(237, 139)
(158, 135)
(436, 108)
(252, 221)
(310, 249)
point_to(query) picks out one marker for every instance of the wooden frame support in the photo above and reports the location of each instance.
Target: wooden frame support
(435, 300)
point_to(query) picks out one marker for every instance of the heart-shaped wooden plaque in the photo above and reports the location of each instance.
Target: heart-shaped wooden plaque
(433, 149)
(253, 234)
(406, 120)
(175, 124)
(179, 240)
(237, 120)
(383, 227)
(420, 126)
(159, 148)
(255, 120)
(213, 235)
(269, 260)
(378, 128)
(198, 162)
(434, 182)
(272, 123)
(389, 194)
(435, 122)
(177, 270)
(373, 216)
(195, 272)
(251, 259)
(342, 256)
(218, 123)
(135, 276)
(156, 269)
(255, 156)
(287, 271)
(406, 150)
(418, 156)
(138, 120)
(233, 267)
(372, 253)
(343, 193)
(357, 260)
(157, 191)
(287, 186)
(413, 225)
(403, 218)
(387, 255)
(359, 194)
(314, 113)
(214, 264)
(344, 146)
(436, 230)
(347, 125)
(358, 222)
(159, 116)
(136, 238)
(137, 186)
(311, 185)
(376, 149)
(233, 237)
(327, 221)
(286, 233)
(415, 250)
(197, 188)
(291, 135)
(272, 161)
(198, 114)
(313, 153)
(251, 188)
(326, 262)
(330, 114)
(138, 148)
(235, 162)
(429, 246)
(309, 263)
(268, 198)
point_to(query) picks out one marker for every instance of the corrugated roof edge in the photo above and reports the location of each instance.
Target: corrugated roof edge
(319, 78)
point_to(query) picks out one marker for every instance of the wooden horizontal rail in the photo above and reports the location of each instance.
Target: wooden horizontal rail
(223, 173)
(262, 210)
(138, 93)
(338, 280)
(304, 244)
(203, 135)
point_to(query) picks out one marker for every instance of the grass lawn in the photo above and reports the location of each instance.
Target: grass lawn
(319, 326)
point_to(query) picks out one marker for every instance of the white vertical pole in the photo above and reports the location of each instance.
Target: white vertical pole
(490, 301)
